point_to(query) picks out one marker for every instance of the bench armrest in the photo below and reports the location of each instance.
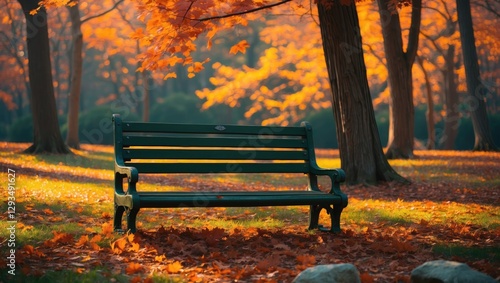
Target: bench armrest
(336, 176)
(131, 172)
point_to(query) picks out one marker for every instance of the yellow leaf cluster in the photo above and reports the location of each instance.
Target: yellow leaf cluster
(290, 76)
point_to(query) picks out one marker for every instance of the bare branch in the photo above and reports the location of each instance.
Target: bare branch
(435, 10)
(103, 13)
(433, 41)
(240, 13)
(379, 58)
(489, 7)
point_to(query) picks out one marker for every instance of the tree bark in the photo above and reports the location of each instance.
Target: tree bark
(360, 148)
(72, 138)
(146, 96)
(399, 65)
(452, 116)
(46, 133)
(431, 132)
(475, 89)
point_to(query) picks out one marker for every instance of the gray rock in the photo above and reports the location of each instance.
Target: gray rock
(442, 271)
(330, 273)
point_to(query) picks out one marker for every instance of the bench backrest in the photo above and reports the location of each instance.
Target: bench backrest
(188, 148)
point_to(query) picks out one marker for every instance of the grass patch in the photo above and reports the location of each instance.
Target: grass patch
(40, 233)
(472, 253)
(67, 276)
(226, 218)
(402, 212)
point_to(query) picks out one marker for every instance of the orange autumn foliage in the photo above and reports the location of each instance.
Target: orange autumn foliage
(173, 33)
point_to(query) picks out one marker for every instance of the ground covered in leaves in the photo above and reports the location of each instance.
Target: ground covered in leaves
(64, 210)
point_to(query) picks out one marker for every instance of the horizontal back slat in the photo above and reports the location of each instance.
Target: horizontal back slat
(211, 129)
(216, 154)
(208, 141)
(220, 167)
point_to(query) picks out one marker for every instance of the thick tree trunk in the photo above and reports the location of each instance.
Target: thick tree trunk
(431, 132)
(47, 136)
(72, 138)
(359, 142)
(476, 90)
(399, 65)
(452, 117)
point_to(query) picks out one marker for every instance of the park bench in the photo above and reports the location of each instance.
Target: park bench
(158, 148)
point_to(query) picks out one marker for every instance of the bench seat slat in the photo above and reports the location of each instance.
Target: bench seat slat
(211, 129)
(218, 154)
(207, 141)
(220, 167)
(235, 199)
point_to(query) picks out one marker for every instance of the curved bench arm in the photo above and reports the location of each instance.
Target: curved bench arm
(336, 177)
(132, 176)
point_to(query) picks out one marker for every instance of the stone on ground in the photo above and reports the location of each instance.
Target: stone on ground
(331, 273)
(442, 271)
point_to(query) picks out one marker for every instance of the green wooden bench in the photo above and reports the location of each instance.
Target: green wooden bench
(157, 148)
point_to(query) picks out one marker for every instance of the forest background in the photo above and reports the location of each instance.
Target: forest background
(271, 71)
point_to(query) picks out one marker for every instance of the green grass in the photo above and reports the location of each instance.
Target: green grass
(492, 254)
(97, 275)
(67, 276)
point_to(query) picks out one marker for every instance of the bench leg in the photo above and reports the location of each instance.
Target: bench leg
(335, 216)
(117, 222)
(131, 219)
(314, 211)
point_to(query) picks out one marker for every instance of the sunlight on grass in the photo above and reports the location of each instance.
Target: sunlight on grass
(328, 162)
(401, 212)
(40, 233)
(227, 218)
(266, 223)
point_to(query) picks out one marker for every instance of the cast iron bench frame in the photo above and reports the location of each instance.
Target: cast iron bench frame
(160, 148)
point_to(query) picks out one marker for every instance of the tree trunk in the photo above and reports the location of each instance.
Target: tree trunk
(399, 65)
(359, 142)
(46, 133)
(476, 90)
(72, 138)
(452, 117)
(146, 96)
(431, 132)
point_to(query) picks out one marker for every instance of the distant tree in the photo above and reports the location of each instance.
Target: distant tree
(452, 116)
(72, 138)
(475, 89)
(46, 133)
(431, 132)
(399, 66)
(14, 86)
(438, 43)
